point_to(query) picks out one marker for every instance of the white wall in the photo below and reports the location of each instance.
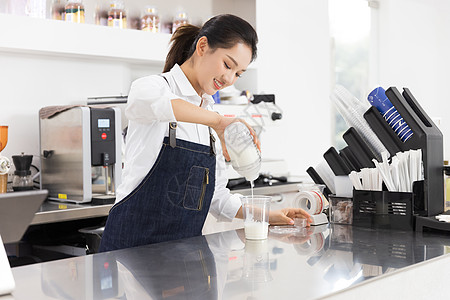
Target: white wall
(28, 83)
(293, 63)
(414, 38)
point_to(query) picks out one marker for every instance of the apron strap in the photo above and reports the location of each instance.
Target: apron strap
(172, 125)
(173, 131)
(212, 141)
(173, 134)
(173, 137)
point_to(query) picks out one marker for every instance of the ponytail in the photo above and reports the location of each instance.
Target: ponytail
(182, 41)
(222, 31)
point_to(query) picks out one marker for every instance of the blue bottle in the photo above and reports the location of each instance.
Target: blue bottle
(379, 99)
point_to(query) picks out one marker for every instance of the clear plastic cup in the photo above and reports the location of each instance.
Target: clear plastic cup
(256, 216)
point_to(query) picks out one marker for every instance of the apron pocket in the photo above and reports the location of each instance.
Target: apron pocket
(195, 188)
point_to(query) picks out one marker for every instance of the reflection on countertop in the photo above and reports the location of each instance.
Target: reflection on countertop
(318, 262)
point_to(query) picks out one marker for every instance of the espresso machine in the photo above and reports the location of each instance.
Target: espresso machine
(81, 154)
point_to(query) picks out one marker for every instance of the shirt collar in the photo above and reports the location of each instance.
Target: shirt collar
(182, 81)
(186, 87)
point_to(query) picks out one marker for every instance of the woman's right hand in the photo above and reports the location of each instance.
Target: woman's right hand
(219, 128)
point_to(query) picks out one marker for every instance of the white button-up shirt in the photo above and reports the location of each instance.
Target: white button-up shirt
(149, 110)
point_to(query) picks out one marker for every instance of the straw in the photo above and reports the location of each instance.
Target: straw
(356, 180)
(385, 175)
(413, 166)
(395, 173)
(420, 170)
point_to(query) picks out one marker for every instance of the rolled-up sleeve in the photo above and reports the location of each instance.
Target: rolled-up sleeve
(224, 205)
(149, 100)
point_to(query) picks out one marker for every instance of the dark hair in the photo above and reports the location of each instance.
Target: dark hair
(222, 31)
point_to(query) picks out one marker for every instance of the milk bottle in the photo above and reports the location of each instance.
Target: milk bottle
(245, 156)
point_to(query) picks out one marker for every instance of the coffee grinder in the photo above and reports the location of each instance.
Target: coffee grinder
(22, 180)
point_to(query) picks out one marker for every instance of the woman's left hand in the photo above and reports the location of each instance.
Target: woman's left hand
(220, 126)
(286, 216)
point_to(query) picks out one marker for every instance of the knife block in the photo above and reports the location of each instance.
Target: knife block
(426, 137)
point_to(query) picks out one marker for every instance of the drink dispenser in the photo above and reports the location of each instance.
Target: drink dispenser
(81, 151)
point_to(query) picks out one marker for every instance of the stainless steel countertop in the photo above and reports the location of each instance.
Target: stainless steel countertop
(225, 266)
(53, 211)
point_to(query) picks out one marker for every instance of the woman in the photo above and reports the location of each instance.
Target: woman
(171, 177)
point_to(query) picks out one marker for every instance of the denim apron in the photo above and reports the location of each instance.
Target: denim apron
(171, 202)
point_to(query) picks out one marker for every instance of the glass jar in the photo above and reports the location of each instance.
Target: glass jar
(101, 14)
(150, 20)
(5, 166)
(22, 183)
(74, 11)
(244, 154)
(116, 15)
(180, 20)
(36, 8)
(57, 10)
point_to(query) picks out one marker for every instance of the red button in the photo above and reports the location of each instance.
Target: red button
(104, 136)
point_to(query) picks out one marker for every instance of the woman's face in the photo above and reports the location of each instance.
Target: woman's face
(221, 67)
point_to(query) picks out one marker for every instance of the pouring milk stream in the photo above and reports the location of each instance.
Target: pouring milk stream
(246, 160)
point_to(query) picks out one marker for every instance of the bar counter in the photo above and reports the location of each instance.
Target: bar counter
(321, 263)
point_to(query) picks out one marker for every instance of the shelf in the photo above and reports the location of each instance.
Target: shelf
(36, 36)
(58, 38)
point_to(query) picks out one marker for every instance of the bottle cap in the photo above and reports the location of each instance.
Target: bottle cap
(181, 16)
(117, 4)
(151, 9)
